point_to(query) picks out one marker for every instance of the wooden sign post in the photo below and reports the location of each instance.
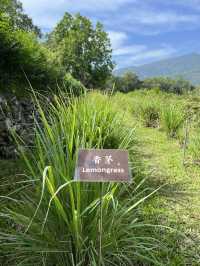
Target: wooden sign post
(106, 165)
(102, 165)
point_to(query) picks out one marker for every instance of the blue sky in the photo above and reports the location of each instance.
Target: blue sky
(141, 31)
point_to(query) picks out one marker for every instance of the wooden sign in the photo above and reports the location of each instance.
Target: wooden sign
(103, 165)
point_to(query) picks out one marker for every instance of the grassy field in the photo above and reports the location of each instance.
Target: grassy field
(177, 203)
(168, 162)
(160, 159)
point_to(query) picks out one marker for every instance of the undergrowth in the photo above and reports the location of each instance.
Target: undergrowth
(53, 220)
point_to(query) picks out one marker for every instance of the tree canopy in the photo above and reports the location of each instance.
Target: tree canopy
(177, 85)
(83, 50)
(13, 11)
(126, 83)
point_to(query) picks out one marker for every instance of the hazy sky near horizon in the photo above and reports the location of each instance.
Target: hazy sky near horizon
(141, 31)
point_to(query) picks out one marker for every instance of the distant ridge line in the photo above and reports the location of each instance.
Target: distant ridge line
(186, 66)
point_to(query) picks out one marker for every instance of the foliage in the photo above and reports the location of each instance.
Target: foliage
(71, 85)
(83, 51)
(76, 49)
(150, 113)
(56, 223)
(22, 55)
(13, 11)
(130, 82)
(126, 83)
(172, 119)
(178, 86)
(177, 203)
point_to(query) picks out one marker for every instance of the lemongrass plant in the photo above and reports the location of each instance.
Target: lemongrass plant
(172, 120)
(54, 220)
(149, 111)
(194, 146)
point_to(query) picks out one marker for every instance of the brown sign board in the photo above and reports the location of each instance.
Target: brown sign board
(102, 165)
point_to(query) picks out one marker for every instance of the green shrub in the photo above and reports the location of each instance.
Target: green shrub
(150, 113)
(23, 56)
(55, 222)
(172, 120)
(28, 59)
(72, 85)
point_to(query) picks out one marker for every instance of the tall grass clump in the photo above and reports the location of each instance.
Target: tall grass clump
(149, 112)
(194, 146)
(54, 220)
(172, 120)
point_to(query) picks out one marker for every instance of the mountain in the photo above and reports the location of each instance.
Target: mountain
(186, 66)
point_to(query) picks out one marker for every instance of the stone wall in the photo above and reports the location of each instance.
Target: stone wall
(18, 115)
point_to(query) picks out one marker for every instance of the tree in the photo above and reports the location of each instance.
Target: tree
(178, 85)
(83, 51)
(126, 83)
(13, 10)
(181, 85)
(130, 82)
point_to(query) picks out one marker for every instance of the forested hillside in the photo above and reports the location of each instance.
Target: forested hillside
(187, 66)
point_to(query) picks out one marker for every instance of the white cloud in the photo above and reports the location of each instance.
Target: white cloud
(159, 18)
(117, 38)
(146, 20)
(118, 41)
(195, 4)
(145, 55)
(153, 55)
(46, 13)
(94, 5)
(74, 5)
(142, 17)
(46, 22)
(136, 54)
(127, 50)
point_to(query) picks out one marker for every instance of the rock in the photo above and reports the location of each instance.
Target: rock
(17, 115)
